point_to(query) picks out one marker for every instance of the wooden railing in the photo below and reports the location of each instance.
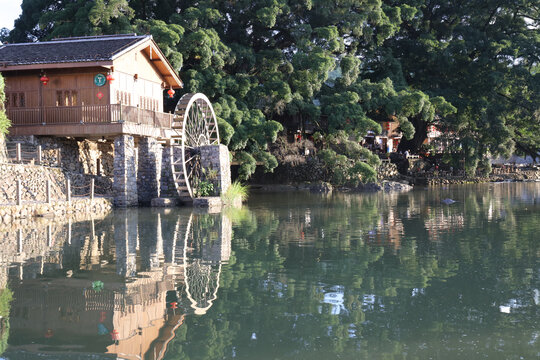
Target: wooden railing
(88, 114)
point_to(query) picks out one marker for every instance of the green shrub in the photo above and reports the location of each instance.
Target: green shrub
(4, 121)
(347, 162)
(204, 188)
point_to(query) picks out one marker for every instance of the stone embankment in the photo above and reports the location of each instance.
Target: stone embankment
(387, 171)
(29, 210)
(433, 179)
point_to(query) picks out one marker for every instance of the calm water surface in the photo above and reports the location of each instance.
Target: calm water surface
(289, 276)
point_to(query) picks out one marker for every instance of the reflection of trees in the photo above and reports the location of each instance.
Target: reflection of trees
(5, 305)
(317, 276)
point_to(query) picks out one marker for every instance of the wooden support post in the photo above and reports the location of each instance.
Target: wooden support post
(68, 191)
(48, 193)
(92, 186)
(59, 157)
(19, 192)
(69, 232)
(19, 241)
(19, 153)
(49, 236)
(39, 155)
(93, 229)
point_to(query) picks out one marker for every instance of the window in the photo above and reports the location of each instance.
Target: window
(66, 98)
(15, 99)
(74, 98)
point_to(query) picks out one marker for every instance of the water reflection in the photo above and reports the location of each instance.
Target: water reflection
(293, 276)
(120, 285)
(380, 276)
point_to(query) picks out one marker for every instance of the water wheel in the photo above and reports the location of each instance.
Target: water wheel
(194, 125)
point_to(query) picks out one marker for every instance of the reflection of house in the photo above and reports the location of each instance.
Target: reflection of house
(58, 306)
(388, 232)
(440, 223)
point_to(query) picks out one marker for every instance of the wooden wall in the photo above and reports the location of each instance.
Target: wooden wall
(65, 88)
(137, 75)
(137, 83)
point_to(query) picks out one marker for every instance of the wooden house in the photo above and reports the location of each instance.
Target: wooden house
(87, 86)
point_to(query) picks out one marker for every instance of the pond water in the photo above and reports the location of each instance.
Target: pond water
(288, 276)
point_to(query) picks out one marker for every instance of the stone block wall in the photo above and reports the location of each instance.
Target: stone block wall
(125, 172)
(167, 188)
(387, 171)
(149, 169)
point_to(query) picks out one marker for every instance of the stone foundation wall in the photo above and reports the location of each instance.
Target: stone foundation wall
(76, 156)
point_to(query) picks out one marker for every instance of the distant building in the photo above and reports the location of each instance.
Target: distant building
(388, 140)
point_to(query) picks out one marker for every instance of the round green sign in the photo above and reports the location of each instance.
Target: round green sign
(100, 80)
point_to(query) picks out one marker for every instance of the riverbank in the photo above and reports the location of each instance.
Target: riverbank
(435, 179)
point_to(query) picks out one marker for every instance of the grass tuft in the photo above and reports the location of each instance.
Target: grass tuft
(236, 191)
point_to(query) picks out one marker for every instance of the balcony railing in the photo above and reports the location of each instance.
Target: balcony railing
(88, 114)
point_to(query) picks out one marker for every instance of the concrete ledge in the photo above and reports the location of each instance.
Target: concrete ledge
(209, 202)
(28, 210)
(164, 202)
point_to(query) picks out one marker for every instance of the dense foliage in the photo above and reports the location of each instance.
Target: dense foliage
(4, 121)
(469, 66)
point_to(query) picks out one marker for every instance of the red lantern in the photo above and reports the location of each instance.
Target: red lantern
(387, 126)
(115, 335)
(170, 92)
(44, 79)
(110, 78)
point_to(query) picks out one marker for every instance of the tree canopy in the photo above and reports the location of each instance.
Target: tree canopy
(471, 67)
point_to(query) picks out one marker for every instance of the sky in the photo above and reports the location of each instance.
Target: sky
(9, 11)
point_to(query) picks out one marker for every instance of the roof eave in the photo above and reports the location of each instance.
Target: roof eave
(57, 65)
(170, 76)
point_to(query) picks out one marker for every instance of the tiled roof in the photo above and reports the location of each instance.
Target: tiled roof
(80, 49)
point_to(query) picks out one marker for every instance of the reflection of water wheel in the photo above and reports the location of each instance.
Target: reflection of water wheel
(201, 277)
(194, 125)
(202, 284)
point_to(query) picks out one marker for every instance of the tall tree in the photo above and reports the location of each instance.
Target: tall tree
(482, 57)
